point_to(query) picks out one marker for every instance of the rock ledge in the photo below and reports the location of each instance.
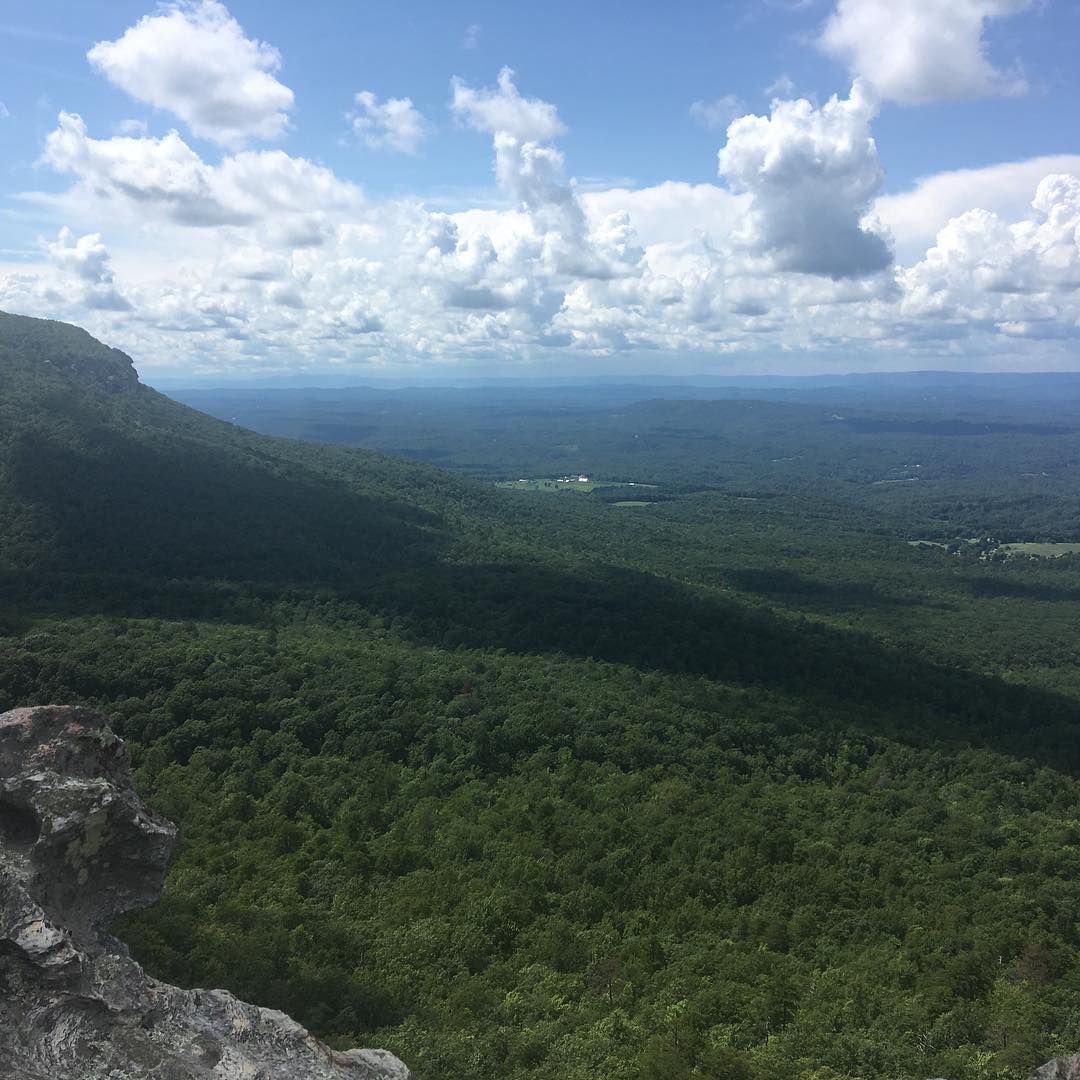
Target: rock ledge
(77, 848)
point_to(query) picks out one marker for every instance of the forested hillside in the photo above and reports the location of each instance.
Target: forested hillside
(737, 784)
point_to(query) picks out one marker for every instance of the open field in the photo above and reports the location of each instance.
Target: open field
(1050, 551)
(568, 485)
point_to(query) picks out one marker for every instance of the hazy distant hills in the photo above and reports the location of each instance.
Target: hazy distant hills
(931, 455)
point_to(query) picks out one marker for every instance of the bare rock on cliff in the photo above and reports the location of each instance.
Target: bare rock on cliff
(77, 848)
(1062, 1068)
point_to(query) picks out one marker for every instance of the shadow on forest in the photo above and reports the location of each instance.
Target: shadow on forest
(186, 535)
(655, 624)
(652, 624)
(196, 512)
(795, 590)
(1022, 590)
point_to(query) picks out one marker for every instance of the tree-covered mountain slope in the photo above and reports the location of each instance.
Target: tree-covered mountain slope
(101, 474)
(531, 788)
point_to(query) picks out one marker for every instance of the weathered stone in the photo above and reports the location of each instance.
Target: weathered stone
(77, 848)
(1062, 1068)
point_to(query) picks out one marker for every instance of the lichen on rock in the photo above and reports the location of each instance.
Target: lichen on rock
(1062, 1068)
(77, 848)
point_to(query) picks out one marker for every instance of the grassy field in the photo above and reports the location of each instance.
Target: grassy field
(631, 502)
(1046, 550)
(583, 486)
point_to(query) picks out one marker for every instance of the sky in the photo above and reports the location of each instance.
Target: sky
(402, 188)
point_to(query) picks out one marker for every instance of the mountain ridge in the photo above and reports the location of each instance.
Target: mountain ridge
(69, 350)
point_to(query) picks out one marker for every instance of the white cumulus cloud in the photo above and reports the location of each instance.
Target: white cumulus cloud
(395, 124)
(87, 260)
(811, 175)
(87, 257)
(194, 59)
(1020, 278)
(530, 170)
(164, 175)
(917, 51)
(914, 217)
(503, 109)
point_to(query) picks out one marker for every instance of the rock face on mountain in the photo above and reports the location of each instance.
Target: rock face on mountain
(1062, 1068)
(77, 848)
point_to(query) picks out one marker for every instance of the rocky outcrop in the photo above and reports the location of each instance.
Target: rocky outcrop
(77, 848)
(1062, 1068)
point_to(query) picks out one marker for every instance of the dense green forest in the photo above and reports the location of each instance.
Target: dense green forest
(930, 455)
(740, 784)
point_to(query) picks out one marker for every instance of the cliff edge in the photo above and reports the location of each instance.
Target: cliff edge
(77, 848)
(47, 347)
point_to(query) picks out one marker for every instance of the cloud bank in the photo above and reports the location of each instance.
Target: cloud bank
(234, 259)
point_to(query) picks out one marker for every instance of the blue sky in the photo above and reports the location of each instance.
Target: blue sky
(289, 226)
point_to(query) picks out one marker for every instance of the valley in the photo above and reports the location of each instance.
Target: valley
(740, 785)
(540, 541)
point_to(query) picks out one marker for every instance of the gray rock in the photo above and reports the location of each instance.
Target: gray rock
(1062, 1068)
(77, 848)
